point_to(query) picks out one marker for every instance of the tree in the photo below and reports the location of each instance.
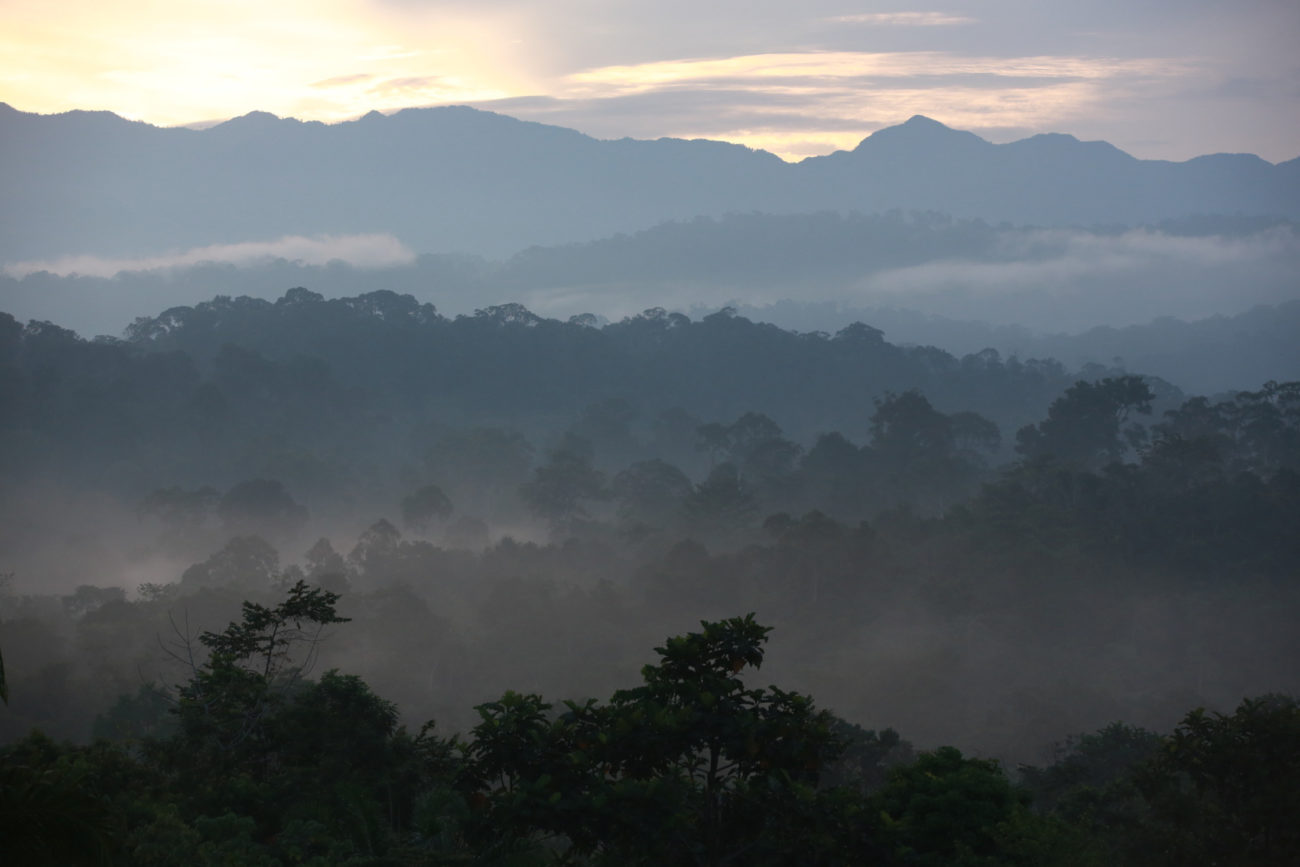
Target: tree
(834, 476)
(947, 810)
(248, 561)
(691, 767)
(906, 429)
(923, 457)
(607, 425)
(722, 505)
(1085, 426)
(326, 567)
(560, 486)
(377, 546)
(752, 443)
(87, 598)
(1087, 764)
(480, 469)
(56, 801)
(1268, 427)
(261, 506)
(426, 504)
(250, 666)
(1222, 790)
(651, 492)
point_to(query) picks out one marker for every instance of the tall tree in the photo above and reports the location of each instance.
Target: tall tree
(1086, 425)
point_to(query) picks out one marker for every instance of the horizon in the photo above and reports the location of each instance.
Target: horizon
(794, 82)
(204, 125)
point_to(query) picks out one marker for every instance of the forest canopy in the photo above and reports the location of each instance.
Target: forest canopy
(255, 549)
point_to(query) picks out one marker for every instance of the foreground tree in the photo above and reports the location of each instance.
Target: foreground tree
(249, 670)
(691, 767)
(1222, 790)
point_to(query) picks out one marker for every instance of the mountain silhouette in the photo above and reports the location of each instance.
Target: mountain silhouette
(456, 179)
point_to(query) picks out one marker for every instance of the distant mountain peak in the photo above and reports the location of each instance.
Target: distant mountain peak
(920, 121)
(455, 178)
(253, 118)
(918, 129)
(1053, 136)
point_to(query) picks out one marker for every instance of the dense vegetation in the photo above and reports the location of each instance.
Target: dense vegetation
(262, 766)
(491, 509)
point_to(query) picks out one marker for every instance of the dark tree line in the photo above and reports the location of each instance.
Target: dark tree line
(323, 387)
(258, 764)
(979, 534)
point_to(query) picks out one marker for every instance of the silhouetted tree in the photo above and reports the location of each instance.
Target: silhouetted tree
(1085, 426)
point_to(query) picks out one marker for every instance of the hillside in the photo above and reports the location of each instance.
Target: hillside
(461, 180)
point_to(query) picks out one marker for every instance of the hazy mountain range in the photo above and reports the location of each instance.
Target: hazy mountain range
(1081, 296)
(461, 180)
(932, 234)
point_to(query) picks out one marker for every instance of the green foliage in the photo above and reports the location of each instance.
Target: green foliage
(865, 757)
(690, 767)
(1222, 790)
(225, 708)
(1088, 764)
(945, 809)
(694, 765)
(264, 637)
(1219, 790)
(136, 717)
(65, 804)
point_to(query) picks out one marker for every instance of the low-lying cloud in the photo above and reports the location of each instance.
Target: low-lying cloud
(1064, 280)
(359, 251)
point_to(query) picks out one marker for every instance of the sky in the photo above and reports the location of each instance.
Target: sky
(1167, 79)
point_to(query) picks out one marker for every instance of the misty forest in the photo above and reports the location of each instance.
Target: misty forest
(321, 564)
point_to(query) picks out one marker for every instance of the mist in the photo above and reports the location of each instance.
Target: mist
(997, 471)
(558, 495)
(1081, 296)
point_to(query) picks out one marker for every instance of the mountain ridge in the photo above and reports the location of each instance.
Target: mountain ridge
(458, 179)
(915, 122)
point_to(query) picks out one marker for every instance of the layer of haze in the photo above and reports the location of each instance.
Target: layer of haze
(1001, 640)
(1044, 280)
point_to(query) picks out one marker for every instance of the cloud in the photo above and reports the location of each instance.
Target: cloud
(344, 80)
(795, 104)
(318, 60)
(1061, 279)
(1055, 257)
(823, 68)
(903, 19)
(1048, 281)
(361, 251)
(423, 88)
